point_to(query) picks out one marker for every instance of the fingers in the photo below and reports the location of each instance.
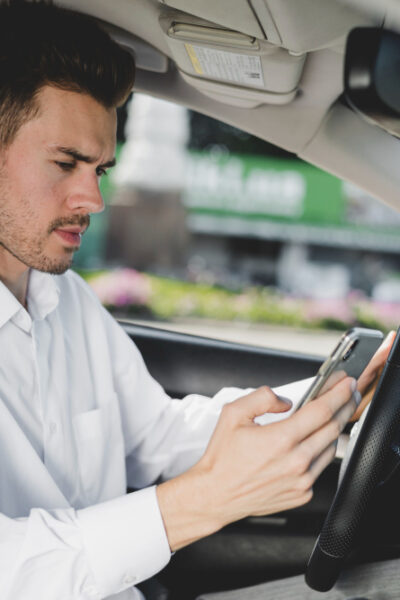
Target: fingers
(388, 342)
(321, 411)
(368, 394)
(310, 458)
(305, 446)
(245, 409)
(386, 345)
(323, 460)
(319, 446)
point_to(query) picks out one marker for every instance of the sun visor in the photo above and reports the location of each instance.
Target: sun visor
(230, 66)
(146, 56)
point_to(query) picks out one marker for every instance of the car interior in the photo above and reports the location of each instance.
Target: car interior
(316, 78)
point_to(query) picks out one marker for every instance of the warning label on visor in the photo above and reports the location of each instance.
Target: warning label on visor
(242, 69)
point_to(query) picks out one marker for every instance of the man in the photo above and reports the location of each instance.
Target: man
(80, 417)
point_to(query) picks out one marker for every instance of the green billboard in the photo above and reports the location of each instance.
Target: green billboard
(286, 199)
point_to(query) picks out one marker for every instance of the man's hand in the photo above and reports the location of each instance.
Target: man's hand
(368, 380)
(249, 469)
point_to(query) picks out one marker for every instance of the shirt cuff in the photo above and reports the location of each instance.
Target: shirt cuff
(125, 540)
(290, 391)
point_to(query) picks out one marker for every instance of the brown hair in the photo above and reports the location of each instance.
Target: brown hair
(42, 44)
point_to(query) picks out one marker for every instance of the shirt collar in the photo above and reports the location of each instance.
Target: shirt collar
(9, 305)
(42, 298)
(43, 294)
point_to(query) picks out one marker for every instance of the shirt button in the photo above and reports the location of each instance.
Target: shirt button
(53, 427)
(130, 579)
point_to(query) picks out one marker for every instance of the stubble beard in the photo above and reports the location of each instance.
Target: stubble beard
(22, 244)
(41, 262)
(37, 258)
(31, 250)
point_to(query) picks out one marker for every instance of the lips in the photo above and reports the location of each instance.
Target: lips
(72, 229)
(71, 235)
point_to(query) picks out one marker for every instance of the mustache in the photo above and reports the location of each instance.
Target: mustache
(80, 220)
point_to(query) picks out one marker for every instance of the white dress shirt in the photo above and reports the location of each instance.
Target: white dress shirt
(80, 420)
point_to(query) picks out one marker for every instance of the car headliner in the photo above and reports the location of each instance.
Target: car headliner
(317, 125)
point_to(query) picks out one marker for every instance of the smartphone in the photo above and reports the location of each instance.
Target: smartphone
(355, 349)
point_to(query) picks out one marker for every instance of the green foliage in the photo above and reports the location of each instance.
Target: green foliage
(172, 298)
(162, 298)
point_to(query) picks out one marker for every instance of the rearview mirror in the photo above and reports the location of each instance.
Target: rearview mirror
(372, 76)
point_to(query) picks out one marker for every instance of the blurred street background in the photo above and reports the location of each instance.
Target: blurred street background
(210, 230)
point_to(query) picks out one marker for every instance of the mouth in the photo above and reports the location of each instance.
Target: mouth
(71, 235)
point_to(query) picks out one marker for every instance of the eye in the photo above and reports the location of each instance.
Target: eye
(65, 166)
(100, 171)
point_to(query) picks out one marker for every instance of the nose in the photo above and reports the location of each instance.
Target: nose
(85, 195)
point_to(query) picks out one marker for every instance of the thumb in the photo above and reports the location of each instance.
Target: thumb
(259, 402)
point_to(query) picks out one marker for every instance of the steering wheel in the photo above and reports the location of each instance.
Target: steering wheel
(364, 471)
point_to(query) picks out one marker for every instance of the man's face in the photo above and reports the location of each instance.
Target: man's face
(49, 180)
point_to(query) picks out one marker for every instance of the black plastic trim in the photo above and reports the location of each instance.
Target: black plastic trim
(185, 364)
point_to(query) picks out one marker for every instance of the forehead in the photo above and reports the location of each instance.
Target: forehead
(72, 119)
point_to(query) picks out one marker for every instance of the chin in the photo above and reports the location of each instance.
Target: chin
(58, 270)
(52, 266)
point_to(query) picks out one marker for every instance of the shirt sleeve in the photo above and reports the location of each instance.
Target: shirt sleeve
(111, 532)
(163, 437)
(88, 554)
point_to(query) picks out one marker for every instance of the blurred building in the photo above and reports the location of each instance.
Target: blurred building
(146, 221)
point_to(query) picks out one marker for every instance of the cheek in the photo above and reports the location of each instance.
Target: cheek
(37, 192)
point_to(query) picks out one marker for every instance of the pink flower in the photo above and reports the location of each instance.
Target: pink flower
(387, 313)
(121, 287)
(339, 310)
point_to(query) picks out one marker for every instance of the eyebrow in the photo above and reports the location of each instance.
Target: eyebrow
(78, 156)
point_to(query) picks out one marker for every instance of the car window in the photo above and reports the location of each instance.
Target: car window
(210, 230)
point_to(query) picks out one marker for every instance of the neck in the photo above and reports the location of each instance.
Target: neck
(14, 275)
(18, 288)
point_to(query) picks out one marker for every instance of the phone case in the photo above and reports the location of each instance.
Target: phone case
(349, 359)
